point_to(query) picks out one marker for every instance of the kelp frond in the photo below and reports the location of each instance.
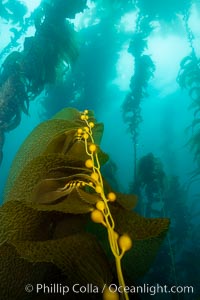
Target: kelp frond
(60, 212)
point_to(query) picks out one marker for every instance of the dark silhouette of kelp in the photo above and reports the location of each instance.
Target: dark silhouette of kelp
(46, 55)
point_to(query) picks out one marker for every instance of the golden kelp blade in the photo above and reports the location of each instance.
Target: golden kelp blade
(78, 150)
(52, 191)
(42, 167)
(48, 191)
(70, 204)
(17, 272)
(36, 143)
(91, 198)
(19, 222)
(67, 143)
(147, 234)
(128, 201)
(79, 256)
(69, 224)
(61, 142)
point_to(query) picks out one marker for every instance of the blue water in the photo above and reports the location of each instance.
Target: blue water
(99, 80)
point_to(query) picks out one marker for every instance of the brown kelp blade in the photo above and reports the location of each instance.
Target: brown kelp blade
(53, 165)
(36, 143)
(17, 272)
(91, 198)
(147, 234)
(19, 222)
(48, 191)
(69, 204)
(61, 142)
(127, 201)
(71, 114)
(80, 252)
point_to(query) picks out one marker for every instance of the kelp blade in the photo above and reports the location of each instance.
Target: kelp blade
(43, 135)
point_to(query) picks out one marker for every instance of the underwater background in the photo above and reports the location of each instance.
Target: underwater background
(136, 65)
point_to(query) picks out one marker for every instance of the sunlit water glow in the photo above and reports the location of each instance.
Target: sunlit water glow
(32, 4)
(166, 52)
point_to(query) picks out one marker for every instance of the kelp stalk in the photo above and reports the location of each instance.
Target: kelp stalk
(102, 214)
(143, 71)
(189, 78)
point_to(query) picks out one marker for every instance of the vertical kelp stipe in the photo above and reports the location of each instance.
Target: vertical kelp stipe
(101, 214)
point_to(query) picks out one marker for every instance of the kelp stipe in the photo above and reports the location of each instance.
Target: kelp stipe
(101, 214)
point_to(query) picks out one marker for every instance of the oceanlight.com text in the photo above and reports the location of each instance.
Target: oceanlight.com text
(58, 288)
(152, 289)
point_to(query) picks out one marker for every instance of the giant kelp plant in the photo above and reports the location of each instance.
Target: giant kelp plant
(54, 197)
(150, 183)
(150, 14)
(143, 71)
(189, 78)
(162, 195)
(50, 51)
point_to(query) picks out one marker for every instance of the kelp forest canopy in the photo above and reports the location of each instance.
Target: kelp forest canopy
(30, 64)
(25, 73)
(72, 65)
